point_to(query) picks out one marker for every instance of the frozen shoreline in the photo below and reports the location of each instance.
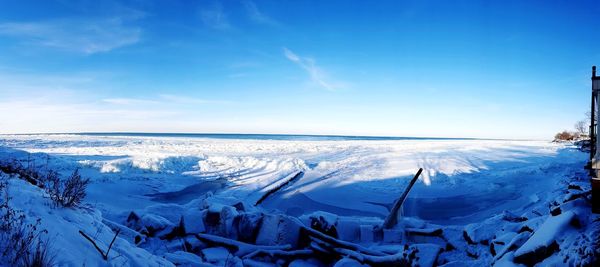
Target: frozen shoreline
(477, 197)
(354, 178)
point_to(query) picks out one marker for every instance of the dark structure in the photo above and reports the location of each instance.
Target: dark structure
(594, 158)
(593, 116)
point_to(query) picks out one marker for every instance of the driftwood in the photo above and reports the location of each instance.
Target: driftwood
(130, 234)
(392, 219)
(278, 187)
(401, 258)
(340, 243)
(326, 245)
(302, 253)
(241, 249)
(104, 255)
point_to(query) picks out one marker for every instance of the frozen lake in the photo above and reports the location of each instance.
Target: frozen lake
(464, 180)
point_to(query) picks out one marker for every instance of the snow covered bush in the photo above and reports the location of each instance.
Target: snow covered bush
(565, 136)
(20, 242)
(40, 256)
(14, 167)
(69, 192)
(65, 193)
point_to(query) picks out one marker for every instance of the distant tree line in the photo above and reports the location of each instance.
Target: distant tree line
(581, 130)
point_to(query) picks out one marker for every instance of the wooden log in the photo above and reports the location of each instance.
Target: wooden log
(126, 232)
(111, 243)
(301, 253)
(278, 187)
(240, 248)
(399, 258)
(93, 243)
(340, 243)
(392, 219)
(104, 255)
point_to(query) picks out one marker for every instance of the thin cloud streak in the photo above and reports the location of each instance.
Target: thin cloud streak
(129, 101)
(88, 36)
(178, 99)
(163, 99)
(317, 75)
(214, 17)
(31, 102)
(257, 16)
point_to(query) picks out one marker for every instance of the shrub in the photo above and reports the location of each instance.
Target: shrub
(40, 256)
(565, 136)
(17, 237)
(67, 193)
(15, 167)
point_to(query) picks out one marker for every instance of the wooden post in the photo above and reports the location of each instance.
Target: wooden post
(596, 195)
(595, 180)
(593, 118)
(392, 218)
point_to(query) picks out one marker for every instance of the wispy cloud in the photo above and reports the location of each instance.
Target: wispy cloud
(179, 99)
(317, 75)
(245, 65)
(162, 99)
(129, 101)
(215, 17)
(256, 15)
(82, 35)
(81, 101)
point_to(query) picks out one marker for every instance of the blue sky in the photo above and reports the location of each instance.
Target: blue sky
(498, 69)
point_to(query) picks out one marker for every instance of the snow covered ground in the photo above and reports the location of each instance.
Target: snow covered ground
(360, 178)
(465, 182)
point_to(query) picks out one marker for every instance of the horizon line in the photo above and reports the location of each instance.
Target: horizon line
(116, 133)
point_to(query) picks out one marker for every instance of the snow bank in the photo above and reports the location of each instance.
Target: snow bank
(63, 225)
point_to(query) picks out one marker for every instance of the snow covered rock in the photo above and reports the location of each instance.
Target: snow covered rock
(279, 230)
(483, 232)
(346, 262)
(219, 256)
(507, 261)
(248, 225)
(218, 219)
(516, 241)
(228, 214)
(306, 263)
(152, 225)
(393, 235)
(193, 222)
(185, 259)
(427, 254)
(254, 263)
(193, 244)
(500, 242)
(171, 212)
(511, 217)
(348, 229)
(367, 234)
(543, 242)
(324, 222)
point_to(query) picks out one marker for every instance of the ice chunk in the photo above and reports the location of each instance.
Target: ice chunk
(348, 230)
(278, 230)
(181, 258)
(544, 241)
(345, 262)
(216, 254)
(366, 234)
(392, 235)
(193, 222)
